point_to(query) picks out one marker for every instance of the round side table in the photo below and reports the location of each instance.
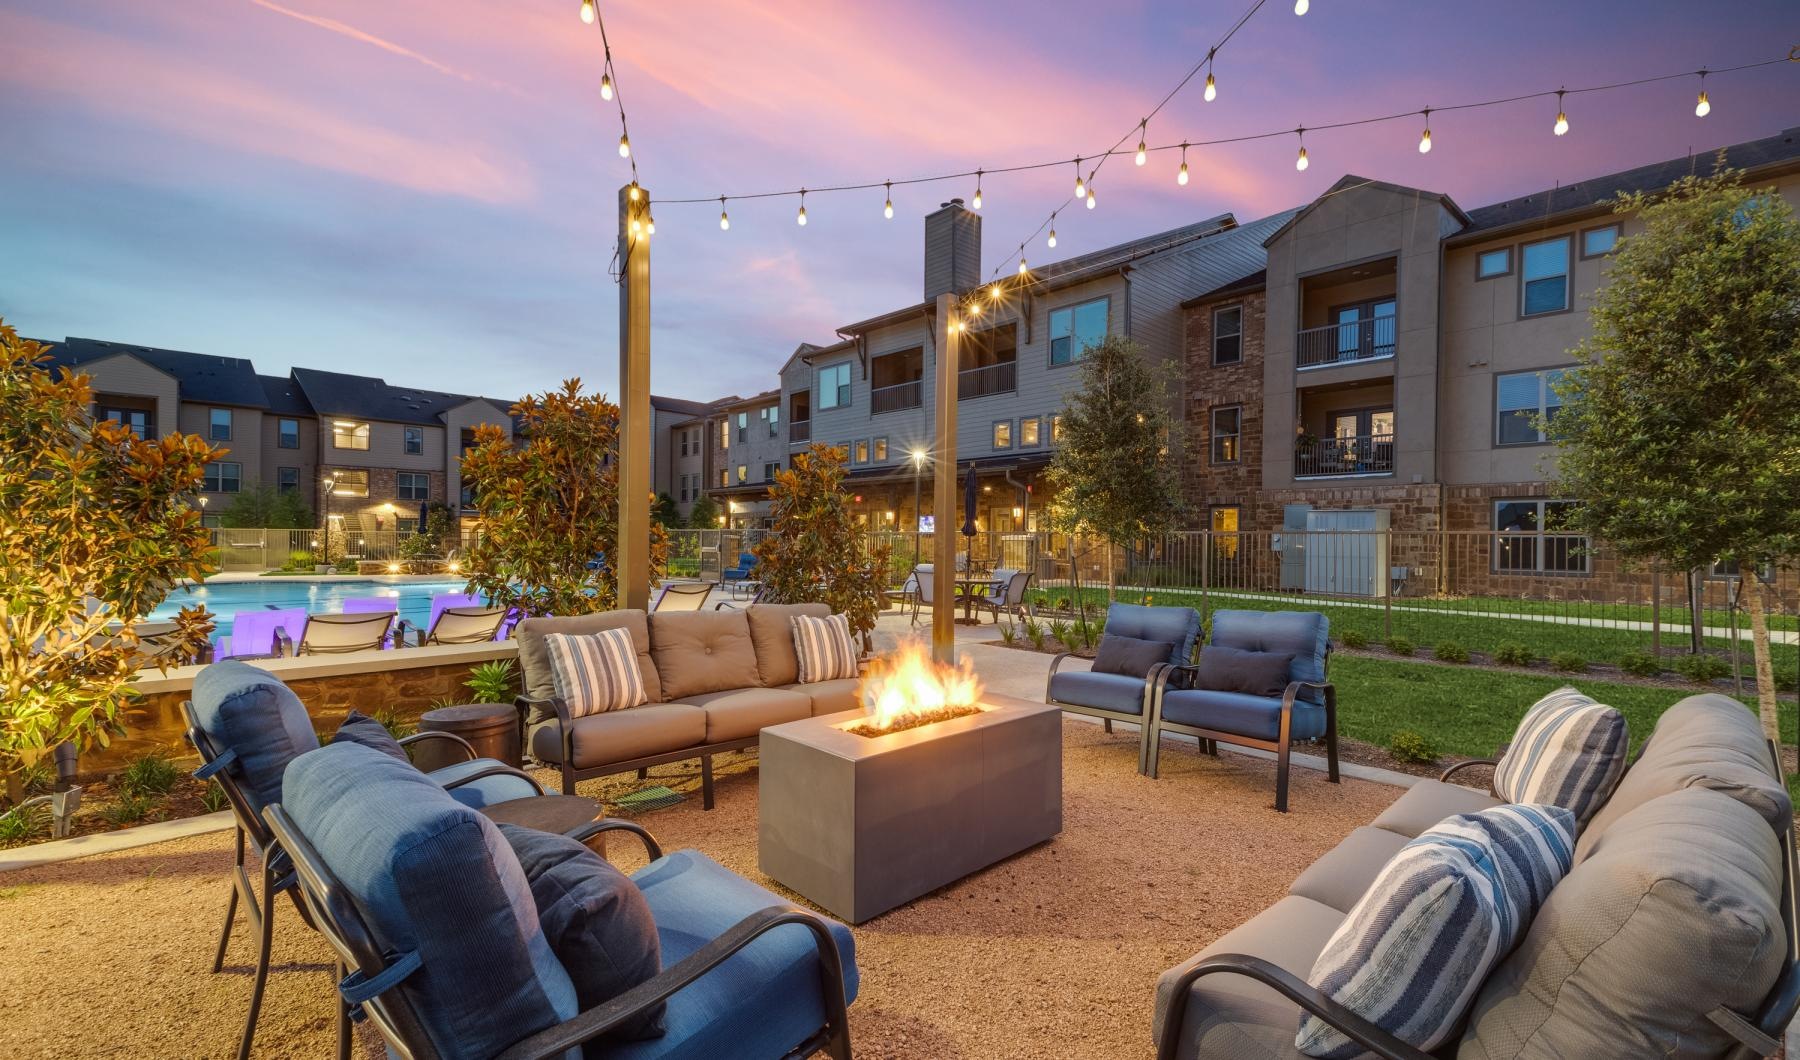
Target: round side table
(551, 813)
(491, 728)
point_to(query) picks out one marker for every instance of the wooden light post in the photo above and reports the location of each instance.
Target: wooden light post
(948, 326)
(632, 565)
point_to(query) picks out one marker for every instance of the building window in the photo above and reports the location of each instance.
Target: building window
(769, 470)
(724, 478)
(1532, 536)
(834, 386)
(862, 452)
(1075, 328)
(1492, 263)
(1028, 433)
(743, 473)
(684, 442)
(1003, 434)
(1729, 569)
(772, 417)
(349, 483)
(223, 476)
(219, 424)
(1228, 335)
(413, 439)
(1520, 398)
(1225, 529)
(349, 434)
(287, 479)
(1546, 277)
(881, 450)
(1055, 427)
(1597, 242)
(412, 486)
(287, 434)
(725, 434)
(137, 421)
(743, 425)
(1227, 430)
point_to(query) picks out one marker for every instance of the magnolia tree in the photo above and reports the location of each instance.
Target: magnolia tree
(816, 551)
(1111, 472)
(1680, 427)
(549, 507)
(96, 528)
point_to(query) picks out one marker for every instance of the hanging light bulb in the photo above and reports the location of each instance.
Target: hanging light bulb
(606, 88)
(1090, 196)
(1562, 119)
(1425, 137)
(1143, 152)
(1212, 87)
(634, 191)
(994, 291)
(1301, 7)
(624, 146)
(800, 218)
(1022, 267)
(1052, 239)
(637, 226)
(1080, 188)
(587, 11)
(724, 218)
(887, 208)
(1704, 106)
(1181, 175)
(977, 202)
(1300, 162)
(649, 226)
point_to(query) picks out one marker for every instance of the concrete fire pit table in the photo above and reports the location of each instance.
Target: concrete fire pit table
(863, 824)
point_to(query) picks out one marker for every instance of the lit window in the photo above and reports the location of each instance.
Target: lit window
(880, 450)
(834, 386)
(1073, 329)
(350, 483)
(743, 473)
(349, 434)
(1228, 335)
(412, 486)
(1493, 263)
(1532, 536)
(1225, 526)
(862, 452)
(414, 438)
(219, 424)
(724, 478)
(1520, 398)
(1545, 286)
(1598, 241)
(1056, 427)
(1227, 430)
(1028, 432)
(724, 434)
(1003, 434)
(223, 477)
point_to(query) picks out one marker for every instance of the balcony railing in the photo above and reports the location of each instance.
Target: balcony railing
(1000, 378)
(907, 395)
(1344, 456)
(1346, 343)
(800, 431)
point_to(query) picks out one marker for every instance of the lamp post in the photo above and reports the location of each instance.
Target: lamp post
(327, 484)
(918, 463)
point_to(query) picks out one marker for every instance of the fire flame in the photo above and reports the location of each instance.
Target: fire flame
(902, 688)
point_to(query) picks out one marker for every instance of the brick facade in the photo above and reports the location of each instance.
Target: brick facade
(384, 490)
(1207, 484)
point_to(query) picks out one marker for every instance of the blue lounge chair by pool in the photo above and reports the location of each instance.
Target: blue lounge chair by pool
(745, 569)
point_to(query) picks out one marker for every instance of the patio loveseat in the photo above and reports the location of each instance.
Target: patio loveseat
(1671, 934)
(714, 680)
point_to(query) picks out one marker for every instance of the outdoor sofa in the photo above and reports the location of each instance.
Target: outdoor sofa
(1670, 935)
(714, 680)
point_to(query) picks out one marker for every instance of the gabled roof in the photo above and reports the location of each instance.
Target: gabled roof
(1352, 182)
(284, 396)
(367, 397)
(202, 377)
(679, 405)
(1256, 281)
(1593, 194)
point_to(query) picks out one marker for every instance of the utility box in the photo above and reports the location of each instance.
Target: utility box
(1347, 552)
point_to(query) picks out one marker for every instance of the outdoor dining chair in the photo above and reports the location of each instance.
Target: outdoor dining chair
(924, 589)
(682, 596)
(455, 625)
(337, 634)
(1006, 595)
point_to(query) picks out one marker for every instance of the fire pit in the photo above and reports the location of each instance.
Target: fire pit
(866, 810)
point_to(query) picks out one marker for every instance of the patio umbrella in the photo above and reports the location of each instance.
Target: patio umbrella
(971, 490)
(423, 514)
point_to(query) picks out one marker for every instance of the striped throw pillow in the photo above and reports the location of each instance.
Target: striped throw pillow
(595, 672)
(1569, 751)
(1412, 955)
(826, 650)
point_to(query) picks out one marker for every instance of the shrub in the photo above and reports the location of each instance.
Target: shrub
(1409, 746)
(1641, 663)
(150, 775)
(1785, 681)
(346, 566)
(1034, 634)
(400, 728)
(1008, 634)
(492, 682)
(1512, 653)
(213, 798)
(1701, 669)
(128, 809)
(1568, 662)
(1063, 633)
(1400, 646)
(1354, 638)
(299, 559)
(22, 823)
(1449, 651)
(816, 550)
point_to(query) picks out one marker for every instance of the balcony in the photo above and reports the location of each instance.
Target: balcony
(800, 431)
(1369, 339)
(1001, 378)
(1346, 456)
(907, 395)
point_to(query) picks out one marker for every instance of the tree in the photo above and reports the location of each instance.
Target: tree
(1680, 425)
(96, 528)
(264, 508)
(816, 551)
(665, 513)
(549, 509)
(1111, 473)
(704, 515)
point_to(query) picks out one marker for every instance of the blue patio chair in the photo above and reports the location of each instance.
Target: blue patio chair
(431, 915)
(1118, 697)
(248, 726)
(1306, 709)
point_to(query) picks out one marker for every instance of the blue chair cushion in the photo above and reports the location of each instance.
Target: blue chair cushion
(1129, 655)
(761, 1001)
(360, 728)
(597, 921)
(502, 787)
(250, 712)
(1304, 633)
(432, 876)
(1256, 717)
(1178, 627)
(1115, 692)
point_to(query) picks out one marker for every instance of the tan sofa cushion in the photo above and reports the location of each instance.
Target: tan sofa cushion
(773, 637)
(702, 651)
(1428, 802)
(1343, 875)
(1233, 1017)
(1704, 741)
(1674, 913)
(737, 713)
(622, 735)
(832, 697)
(534, 656)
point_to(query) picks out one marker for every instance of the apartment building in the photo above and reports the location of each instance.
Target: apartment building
(677, 463)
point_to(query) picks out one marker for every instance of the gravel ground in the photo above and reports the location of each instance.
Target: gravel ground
(1054, 952)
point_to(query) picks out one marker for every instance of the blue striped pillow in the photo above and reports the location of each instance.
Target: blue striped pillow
(1412, 955)
(595, 672)
(825, 648)
(1569, 751)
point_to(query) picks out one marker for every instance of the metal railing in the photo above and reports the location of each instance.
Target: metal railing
(907, 395)
(800, 431)
(1344, 456)
(1357, 340)
(263, 550)
(1000, 378)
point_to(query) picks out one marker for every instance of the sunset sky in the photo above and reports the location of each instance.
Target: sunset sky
(427, 191)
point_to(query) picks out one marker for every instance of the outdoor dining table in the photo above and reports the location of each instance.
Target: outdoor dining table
(965, 588)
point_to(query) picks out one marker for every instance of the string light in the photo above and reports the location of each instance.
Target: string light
(624, 146)
(1562, 119)
(1704, 106)
(1300, 162)
(1181, 175)
(977, 202)
(609, 89)
(1080, 188)
(587, 11)
(800, 218)
(1212, 86)
(1301, 7)
(1090, 198)
(1052, 239)
(649, 226)
(1022, 267)
(606, 88)
(994, 291)
(887, 208)
(1143, 152)
(724, 218)
(1425, 137)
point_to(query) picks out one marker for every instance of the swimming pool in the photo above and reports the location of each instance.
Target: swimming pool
(226, 599)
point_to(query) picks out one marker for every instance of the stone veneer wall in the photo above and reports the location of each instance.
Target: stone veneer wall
(384, 489)
(1208, 386)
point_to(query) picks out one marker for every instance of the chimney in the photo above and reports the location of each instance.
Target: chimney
(952, 249)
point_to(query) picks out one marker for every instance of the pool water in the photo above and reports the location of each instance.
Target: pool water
(225, 599)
